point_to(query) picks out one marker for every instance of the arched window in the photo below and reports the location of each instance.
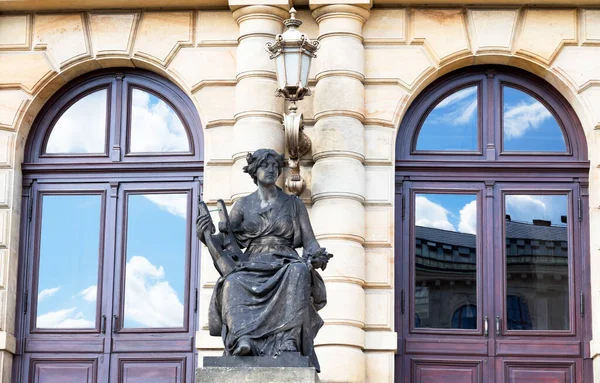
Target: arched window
(111, 178)
(491, 195)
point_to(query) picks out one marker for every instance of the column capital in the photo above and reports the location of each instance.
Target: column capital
(249, 8)
(326, 8)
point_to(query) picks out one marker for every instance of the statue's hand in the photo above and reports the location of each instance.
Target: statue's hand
(320, 259)
(203, 223)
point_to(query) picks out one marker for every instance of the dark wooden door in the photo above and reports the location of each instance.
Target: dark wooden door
(108, 296)
(154, 309)
(491, 282)
(538, 283)
(444, 300)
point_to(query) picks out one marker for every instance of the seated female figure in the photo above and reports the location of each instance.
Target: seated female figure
(268, 304)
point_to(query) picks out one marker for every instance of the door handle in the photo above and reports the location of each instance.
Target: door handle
(114, 323)
(497, 325)
(103, 324)
(486, 325)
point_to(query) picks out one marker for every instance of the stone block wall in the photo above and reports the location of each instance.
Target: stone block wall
(372, 64)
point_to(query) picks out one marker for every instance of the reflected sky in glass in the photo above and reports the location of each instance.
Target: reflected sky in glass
(68, 269)
(452, 124)
(451, 212)
(155, 127)
(81, 129)
(445, 261)
(529, 125)
(155, 268)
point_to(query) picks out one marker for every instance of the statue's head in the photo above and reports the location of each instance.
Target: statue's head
(256, 159)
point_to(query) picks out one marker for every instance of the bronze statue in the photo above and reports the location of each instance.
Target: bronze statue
(267, 298)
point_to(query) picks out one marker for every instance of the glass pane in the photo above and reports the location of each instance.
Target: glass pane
(529, 125)
(452, 124)
(155, 127)
(82, 127)
(445, 261)
(156, 255)
(537, 262)
(68, 268)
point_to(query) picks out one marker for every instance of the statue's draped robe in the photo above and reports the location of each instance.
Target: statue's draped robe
(272, 297)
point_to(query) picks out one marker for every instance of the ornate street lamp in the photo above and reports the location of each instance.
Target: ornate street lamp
(293, 52)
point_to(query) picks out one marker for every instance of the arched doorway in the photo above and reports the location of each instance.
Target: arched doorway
(492, 234)
(109, 263)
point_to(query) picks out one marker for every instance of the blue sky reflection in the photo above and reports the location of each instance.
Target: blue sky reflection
(452, 124)
(529, 125)
(156, 252)
(68, 270)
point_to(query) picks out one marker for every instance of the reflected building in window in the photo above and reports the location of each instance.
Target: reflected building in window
(537, 290)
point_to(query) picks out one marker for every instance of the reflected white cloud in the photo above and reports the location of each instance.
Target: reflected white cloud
(150, 301)
(67, 318)
(82, 128)
(458, 96)
(468, 218)
(155, 127)
(173, 203)
(89, 294)
(431, 214)
(459, 108)
(46, 293)
(520, 118)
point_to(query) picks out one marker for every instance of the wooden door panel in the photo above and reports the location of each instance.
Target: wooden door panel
(154, 368)
(446, 346)
(41, 344)
(447, 370)
(141, 343)
(540, 348)
(536, 371)
(66, 368)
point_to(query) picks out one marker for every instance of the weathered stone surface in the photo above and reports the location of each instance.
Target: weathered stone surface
(379, 309)
(579, 64)
(216, 26)
(194, 65)
(25, 70)
(63, 36)
(112, 32)
(256, 375)
(380, 366)
(15, 31)
(385, 25)
(443, 29)
(383, 63)
(161, 32)
(591, 26)
(492, 30)
(545, 31)
(286, 359)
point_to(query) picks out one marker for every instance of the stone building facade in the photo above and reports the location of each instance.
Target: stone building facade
(374, 62)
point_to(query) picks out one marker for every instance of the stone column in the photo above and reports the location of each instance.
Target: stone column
(338, 187)
(258, 113)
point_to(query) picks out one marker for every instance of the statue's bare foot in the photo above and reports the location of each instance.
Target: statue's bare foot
(289, 346)
(243, 348)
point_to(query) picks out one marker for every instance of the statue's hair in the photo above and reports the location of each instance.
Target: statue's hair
(258, 157)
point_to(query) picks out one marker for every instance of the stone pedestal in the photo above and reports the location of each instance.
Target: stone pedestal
(256, 375)
(287, 368)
